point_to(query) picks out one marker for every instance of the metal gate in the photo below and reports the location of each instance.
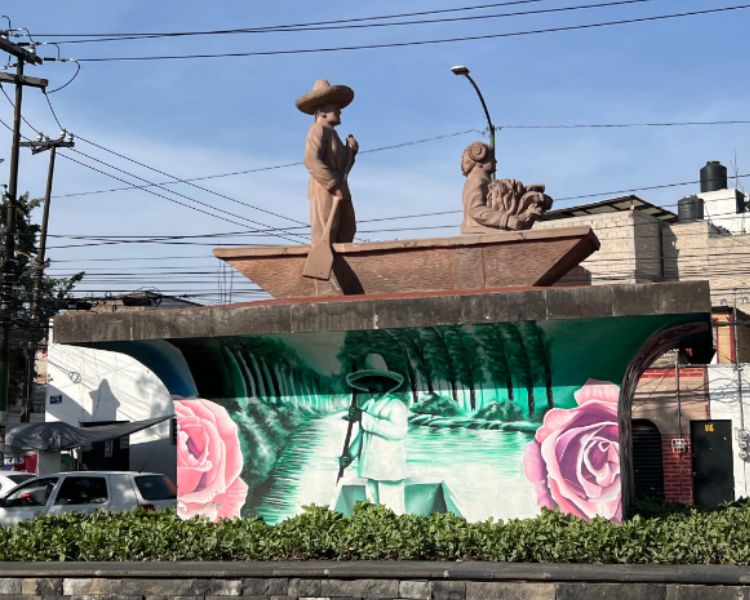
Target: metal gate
(648, 470)
(713, 476)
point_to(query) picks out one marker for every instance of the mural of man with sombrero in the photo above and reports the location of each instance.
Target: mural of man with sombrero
(329, 161)
(380, 443)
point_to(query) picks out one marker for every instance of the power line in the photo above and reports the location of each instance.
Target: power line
(302, 24)
(426, 140)
(173, 182)
(625, 125)
(52, 110)
(350, 26)
(151, 184)
(431, 42)
(417, 215)
(179, 239)
(173, 200)
(191, 184)
(206, 204)
(685, 271)
(271, 167)
(67, 83)
(131, 258)
(619, 192)
(178, 179)
(182, 272)
(12, 104)
(716, 217)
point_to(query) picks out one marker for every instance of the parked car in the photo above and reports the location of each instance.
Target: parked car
(87, 491)
(10, 479)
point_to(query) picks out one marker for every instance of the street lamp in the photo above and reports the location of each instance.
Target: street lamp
(462, 70)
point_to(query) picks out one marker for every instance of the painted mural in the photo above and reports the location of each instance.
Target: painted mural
(491, 420)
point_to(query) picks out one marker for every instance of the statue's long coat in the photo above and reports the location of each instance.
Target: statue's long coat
(329, 161)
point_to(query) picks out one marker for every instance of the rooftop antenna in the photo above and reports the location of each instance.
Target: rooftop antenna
(735, 167)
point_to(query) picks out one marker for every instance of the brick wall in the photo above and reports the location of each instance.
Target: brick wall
(656, 398)
(678, 471)
(695, 251)
(656, 401)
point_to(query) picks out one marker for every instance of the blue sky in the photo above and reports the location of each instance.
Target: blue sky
(192, 118)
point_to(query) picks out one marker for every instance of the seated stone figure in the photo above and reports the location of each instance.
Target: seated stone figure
(490, 205)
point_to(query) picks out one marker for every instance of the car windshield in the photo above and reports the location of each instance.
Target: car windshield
(33, 493)
(156, 487)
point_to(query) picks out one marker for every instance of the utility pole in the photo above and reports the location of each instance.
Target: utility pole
(738, 368)
(42, 144)
(65, 140)
(22, 55)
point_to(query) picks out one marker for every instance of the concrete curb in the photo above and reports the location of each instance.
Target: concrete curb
(403, 570)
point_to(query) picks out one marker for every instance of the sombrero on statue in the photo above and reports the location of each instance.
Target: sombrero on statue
(324, 93)
(375, 369)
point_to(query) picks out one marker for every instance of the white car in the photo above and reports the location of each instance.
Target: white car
(87, 491)
(10, 479)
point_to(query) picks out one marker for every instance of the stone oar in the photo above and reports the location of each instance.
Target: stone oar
(320, 258)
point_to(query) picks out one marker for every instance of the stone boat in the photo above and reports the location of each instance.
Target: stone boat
(537, 257)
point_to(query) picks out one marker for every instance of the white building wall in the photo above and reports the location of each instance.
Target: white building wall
(726, 385)
(720, 208)
(96, 385)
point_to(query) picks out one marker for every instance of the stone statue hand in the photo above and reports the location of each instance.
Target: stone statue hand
(354, 413)
(352, 142)
(532, 213)
(345, 461)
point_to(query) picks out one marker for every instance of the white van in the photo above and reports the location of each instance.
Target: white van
(10, 479)
(87, 491)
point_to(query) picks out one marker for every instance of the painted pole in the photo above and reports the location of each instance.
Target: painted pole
(348, 438)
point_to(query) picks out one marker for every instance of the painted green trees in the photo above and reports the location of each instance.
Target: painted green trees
(269, 370)
(463, 361)
(470, 367)
(464, 354)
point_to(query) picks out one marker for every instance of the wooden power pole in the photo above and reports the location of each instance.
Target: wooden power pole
(7, 292)
(37, 327)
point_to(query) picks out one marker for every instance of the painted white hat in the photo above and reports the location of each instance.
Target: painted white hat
(375, 368)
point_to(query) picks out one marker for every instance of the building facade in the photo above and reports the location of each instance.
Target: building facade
(690, 413)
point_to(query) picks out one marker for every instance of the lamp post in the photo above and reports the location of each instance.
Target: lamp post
(463, 70)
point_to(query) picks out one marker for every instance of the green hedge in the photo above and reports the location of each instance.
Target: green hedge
(690, 537)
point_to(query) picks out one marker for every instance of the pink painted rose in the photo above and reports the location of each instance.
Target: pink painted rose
(574, 459)
(209, 461)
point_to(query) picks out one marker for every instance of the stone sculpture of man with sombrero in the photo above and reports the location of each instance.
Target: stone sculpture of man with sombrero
(329, 161)
(380, 443)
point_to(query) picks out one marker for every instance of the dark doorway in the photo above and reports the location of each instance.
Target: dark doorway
(111, 455)
(713, 478)
(648, 470)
